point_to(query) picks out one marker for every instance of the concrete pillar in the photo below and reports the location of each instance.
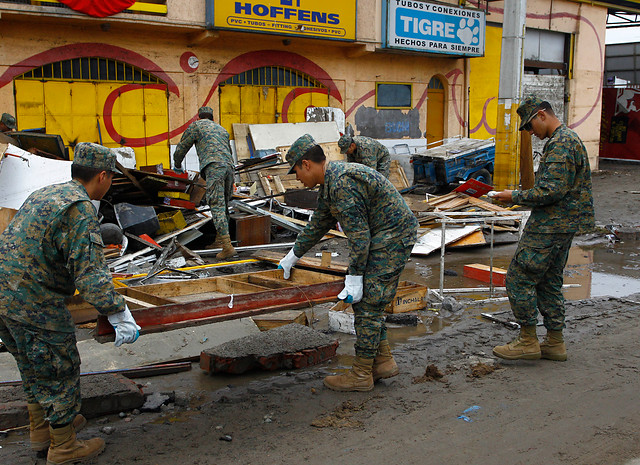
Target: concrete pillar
(511, 67)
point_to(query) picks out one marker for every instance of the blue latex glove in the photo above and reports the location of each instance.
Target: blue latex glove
(127, 331)
(353, 289)
(287, 263)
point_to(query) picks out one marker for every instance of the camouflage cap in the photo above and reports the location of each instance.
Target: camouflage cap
(345, 142)
(528, 109)
(298, 149)
(94, 156)
(205, 111)
(8, 120)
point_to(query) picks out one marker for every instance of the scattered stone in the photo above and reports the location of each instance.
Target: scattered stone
(154, 402)
(450, 272)
(450, 306)
(107, 429)
(122, 415)
(432, 373)
(226, 437)
(135, 412)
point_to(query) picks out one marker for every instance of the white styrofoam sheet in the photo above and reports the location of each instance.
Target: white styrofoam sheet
(270, 136)
(19, 177)
(432, 240)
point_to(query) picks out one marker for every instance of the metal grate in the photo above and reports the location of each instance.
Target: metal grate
(435, 83)
(273, 76)
(91, 69)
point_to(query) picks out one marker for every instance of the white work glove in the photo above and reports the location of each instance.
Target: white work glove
(126, 328)
(352, 292)
(287, 262)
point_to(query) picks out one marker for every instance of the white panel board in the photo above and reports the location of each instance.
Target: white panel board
(19, 177)
(432, 240)
(270, 136)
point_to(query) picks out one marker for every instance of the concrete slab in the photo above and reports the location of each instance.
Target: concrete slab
(148, 349)
(101, 395)
(288, 347)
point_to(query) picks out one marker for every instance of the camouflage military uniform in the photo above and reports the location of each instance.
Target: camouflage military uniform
(381, 231)
(562, 205)
(216, 166)
(51, 248)
(371, 153)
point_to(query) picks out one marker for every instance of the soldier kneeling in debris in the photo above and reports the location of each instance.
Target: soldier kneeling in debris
(381, 230)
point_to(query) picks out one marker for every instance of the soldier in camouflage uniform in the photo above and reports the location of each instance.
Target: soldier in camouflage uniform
(7, 123)
(216, 167)
(381, 230)
(561, 204)
(366, 151)
(51, 248)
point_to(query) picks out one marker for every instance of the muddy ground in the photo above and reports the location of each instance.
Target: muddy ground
(452, 403)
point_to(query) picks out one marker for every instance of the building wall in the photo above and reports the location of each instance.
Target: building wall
(349, 70)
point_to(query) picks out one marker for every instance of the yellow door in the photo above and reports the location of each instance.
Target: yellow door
(435, 116)
(29, 104)
(74, 111)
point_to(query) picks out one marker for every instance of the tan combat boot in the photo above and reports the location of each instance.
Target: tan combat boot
(384, 366)
(357, 379)
(553, 348)
(39, 427)
(227, 248)
(524, 347)
(65, 448)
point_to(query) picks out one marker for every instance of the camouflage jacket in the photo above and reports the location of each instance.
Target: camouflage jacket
(212, 144)
(371, 153)
(370, 210)
(51, 248)
(561, 198)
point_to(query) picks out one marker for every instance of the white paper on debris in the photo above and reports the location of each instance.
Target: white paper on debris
(22, 173)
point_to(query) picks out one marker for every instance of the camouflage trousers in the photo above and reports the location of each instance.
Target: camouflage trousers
(219, 177)
(535, 277)
(49, 366)
(381, 277)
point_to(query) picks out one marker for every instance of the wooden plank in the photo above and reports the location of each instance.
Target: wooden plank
(397, 175)
(136, 293)
(304, 262)
(279, 186)
(432, 240)
(232, 286)
(473, 239)
(6, 215)
(331, 151)
(277, 319)
(175, 316)
(270, 283)
(483, 273)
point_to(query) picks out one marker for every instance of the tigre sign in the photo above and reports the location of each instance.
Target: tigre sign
(332, 19)
(433, 27)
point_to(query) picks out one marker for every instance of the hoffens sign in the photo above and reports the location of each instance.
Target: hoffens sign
(433, 27)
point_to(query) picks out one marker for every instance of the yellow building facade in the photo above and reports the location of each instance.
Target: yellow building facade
(137, 78)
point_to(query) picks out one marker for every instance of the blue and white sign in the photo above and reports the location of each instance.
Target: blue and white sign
(435, 27)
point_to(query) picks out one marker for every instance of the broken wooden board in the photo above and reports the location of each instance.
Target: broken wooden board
(304, 262)
(278, 183)
(277, 319)
(472, 240)
(432, 239)
(397, 176)
(243, 295)
(483, 273)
